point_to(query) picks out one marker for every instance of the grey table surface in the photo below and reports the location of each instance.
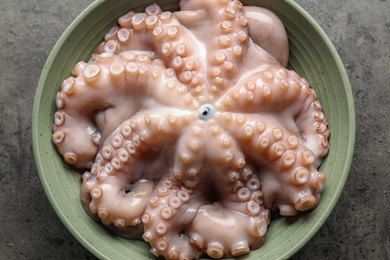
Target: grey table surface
(358, 228)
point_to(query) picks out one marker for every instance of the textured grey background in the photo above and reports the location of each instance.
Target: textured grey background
(359, 227)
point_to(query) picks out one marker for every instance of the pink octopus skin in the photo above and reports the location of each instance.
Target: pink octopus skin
(188, 127)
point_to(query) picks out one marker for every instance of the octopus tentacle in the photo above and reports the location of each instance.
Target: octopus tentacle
(223, 150)
(289, 176)
(85, 115)
(232, 201)
(120, 184)
(280, 91)
(226, 21)
(113, 203)
(314, 128)
(122, 34)
(188, 161)
(176, 200)
(269, 89)
(171, 207)
(246, 230)
(166, 36)
(146, 77)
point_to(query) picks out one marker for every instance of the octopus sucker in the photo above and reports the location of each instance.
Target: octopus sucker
(188, 124)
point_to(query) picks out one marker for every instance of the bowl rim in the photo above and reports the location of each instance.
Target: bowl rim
(78, 21)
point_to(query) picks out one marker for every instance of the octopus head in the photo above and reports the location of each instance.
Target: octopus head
(193, 5)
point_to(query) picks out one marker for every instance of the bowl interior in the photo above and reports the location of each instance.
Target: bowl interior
(311, 55)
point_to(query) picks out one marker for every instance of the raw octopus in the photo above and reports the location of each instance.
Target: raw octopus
(189, 125)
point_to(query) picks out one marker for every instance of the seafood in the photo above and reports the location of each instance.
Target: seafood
(189, 124)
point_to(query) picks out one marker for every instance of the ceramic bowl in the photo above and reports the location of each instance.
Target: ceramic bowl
(312, 55)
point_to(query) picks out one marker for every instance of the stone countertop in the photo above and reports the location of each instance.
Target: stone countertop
(358, 228)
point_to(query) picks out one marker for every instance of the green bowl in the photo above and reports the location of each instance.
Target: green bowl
(311, 54)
